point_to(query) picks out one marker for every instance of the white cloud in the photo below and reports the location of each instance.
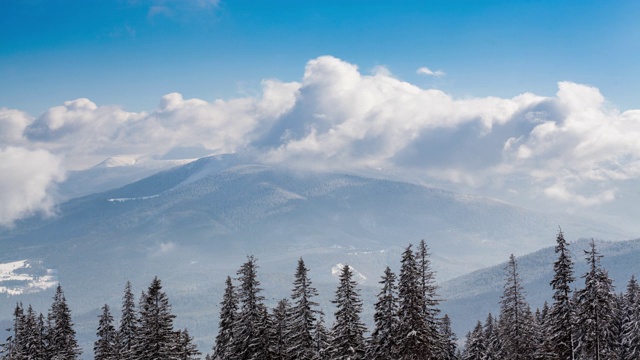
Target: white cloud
(12, 125)
(426, 71)
(573, 147)
(26, 181)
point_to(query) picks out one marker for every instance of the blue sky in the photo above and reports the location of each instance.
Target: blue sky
(130, 53)
(532, 102)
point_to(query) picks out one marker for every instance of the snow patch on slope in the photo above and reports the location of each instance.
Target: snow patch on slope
(25, 277)
(337, 270)
(121, 200)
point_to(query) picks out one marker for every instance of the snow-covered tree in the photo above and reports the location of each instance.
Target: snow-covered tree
(427, 281)
(280, 331)
(382, 343)
(450, 339)
(186, 349)
(321, 339)
(347, 335)
(415, 340)
(105, 348)
(596, 309)
(475, 348)
(560, 326)
(491, 338)
(303, 315)
(515, 321)
(631, 321)
(156, 339)
(127, 331)
(62, 343)
(250, 327)
(228, 314)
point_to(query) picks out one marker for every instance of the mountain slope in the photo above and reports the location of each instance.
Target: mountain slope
(194, 224)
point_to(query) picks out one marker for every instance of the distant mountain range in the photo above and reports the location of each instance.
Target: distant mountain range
(194, 224)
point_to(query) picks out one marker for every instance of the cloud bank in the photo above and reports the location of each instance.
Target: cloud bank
(571, 147)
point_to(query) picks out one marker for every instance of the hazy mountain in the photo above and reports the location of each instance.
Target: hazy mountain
(194, 224)
(472, 296)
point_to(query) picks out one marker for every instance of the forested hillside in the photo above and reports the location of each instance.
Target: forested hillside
(592, 322)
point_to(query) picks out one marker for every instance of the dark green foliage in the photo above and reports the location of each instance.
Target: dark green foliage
(347, 335)
(382, 344)
(303, 315)
(61, 337)
(127, 331)
(228, 314)
(106, 347)
(560, 325)
(156, 339)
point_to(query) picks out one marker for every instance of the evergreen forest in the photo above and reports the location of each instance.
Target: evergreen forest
(592, 322)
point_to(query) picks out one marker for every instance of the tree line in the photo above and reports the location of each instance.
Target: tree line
(592, 323)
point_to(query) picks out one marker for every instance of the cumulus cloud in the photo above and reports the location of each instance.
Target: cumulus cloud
(573, 147)
(426, 71)
(27, 177)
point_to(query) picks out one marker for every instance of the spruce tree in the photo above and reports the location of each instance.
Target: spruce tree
(303, 315)
(156, 339)
(127, 331)
(15, 348)
(596, 308)
(429, 294)
(515, 322)
(105, 348)
(475, 348)
(631, 321)
(228, 314)
(62, 344)
(414, 337)
(249, 328)
(280, 331)
(561, 327)
(382, 343)
(347, 334)
(32, 344)
(321, 340)
(186, 349)
(450, 339)
(491, 339)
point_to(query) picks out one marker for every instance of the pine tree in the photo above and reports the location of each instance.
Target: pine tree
(561, 326)
(450, 338)
(32, 343)
(186, 350)
(62, 344)
(156, 339)
(382, 343)
(105, 348)
(595, 308)
(347, 335)
(515, 322)
(414, 337)
(249, 329)
(228, 314)
(321, 340)
(303, 315)
(127, 331)
(491, 339)
(15, 344)
(427, 283)
(631, 321)
(475, 348)
(546, 346)
(280, 330)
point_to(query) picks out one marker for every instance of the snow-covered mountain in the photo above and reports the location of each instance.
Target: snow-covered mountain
(195, 224)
